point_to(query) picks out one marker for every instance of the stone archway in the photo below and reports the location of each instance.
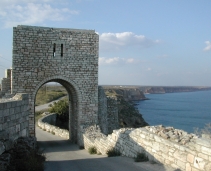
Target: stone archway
(66, 56)
(74, 103)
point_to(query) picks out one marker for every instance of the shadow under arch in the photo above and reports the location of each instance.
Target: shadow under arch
(74, 104)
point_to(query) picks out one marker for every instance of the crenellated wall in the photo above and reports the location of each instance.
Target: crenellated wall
(14, 120)
(168, 146)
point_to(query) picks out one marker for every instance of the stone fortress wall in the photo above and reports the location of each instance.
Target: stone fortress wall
(66, 56)
(14, 121)
(167, 146)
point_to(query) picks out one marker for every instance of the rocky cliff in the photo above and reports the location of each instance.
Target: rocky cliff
(160, 89)
(128, 94)
(128, 115)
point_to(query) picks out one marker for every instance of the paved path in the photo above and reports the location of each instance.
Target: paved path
(46, 106)
(64, 156)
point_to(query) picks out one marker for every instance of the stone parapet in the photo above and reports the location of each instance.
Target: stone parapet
(14, 121)
(194, 155)
(47, 123)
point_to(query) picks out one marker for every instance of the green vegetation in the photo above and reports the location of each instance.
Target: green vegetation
(62, 109)
(113, 152)
(141, 157)
(47, 94)
(92, 150)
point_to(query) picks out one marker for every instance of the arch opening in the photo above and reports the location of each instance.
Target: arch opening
(72, 99)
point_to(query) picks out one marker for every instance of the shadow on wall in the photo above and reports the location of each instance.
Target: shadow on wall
(127, 146)
(131, 142)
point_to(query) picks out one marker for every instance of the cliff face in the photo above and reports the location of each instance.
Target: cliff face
(128, 94)
(158, 89)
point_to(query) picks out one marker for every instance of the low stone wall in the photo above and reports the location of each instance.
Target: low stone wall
(168, 146)
(14, 121)
(47, 123)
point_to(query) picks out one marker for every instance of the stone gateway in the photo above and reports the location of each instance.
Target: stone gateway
(66, 56)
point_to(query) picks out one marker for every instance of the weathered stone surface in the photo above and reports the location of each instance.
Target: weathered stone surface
(199, 163)
(190, 158)
(66, 56)
(132, 141)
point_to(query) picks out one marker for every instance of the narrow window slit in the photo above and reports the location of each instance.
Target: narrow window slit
(61, 50)
(54, 49)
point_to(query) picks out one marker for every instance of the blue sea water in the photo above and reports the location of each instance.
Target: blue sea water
(186, 110)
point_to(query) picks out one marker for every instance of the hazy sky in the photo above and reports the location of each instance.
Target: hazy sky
(151, 42)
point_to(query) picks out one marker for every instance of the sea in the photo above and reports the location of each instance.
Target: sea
(186, 110)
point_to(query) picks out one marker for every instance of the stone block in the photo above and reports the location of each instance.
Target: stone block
(181, 164)
(180, 155)
(4, 135)
(199, 163)
(204, 156)
(188, 167)
(207, 167)
(206, 150)
(190, 158)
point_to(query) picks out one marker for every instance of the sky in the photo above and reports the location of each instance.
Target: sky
(142, 42)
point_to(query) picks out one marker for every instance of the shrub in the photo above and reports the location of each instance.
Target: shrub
(26, 156)
(113, 152)
(141, 157)
(92, 150)
(61, 107)
(206, 132)
(33, 161)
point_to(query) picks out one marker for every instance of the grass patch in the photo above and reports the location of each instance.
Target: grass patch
(46, 95)
(112, 153)
(92, 150)
(141, 157)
